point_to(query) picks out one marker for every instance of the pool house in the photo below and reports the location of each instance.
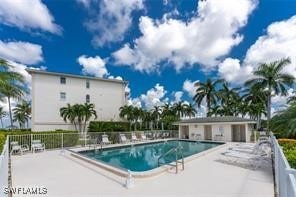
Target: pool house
(226, 129)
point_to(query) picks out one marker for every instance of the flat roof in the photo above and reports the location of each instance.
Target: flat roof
(216, 120)
(35, 71)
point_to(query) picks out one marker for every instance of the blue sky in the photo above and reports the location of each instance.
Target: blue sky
(171, 43)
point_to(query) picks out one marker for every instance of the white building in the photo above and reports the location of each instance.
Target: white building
(51, 91)
(227, 128)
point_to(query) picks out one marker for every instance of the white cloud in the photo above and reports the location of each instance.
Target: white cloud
(117, 77)
(281, 101)
(136, 102)
(93, 65)
(278, 42)
(188, 86)
(22, 52)
(178, 96)
(112, 20)
(203, 39)
(28, 15)
(231, 70)
(153, 97)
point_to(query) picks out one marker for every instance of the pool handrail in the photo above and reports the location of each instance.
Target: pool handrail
(176, 150)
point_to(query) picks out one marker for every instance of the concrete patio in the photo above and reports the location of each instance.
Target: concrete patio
(64, 175)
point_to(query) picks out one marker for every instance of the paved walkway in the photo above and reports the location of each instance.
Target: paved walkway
(207, 176)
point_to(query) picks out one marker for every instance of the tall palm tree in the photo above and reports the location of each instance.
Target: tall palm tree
(179, 109)
(22, 110)
(207, 91)
(20, 118)
(230, 100)
(126, 112)
(12, 91)
(6, 76)
(88, 112)
(189, 110)
(156, 112)
(2, 115)
(272, 77)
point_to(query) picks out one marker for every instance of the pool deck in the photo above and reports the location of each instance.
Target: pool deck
(206, 176)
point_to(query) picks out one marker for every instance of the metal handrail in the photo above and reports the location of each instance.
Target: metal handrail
(176, 150)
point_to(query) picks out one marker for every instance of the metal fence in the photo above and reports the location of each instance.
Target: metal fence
(285, 176)
(64, 140)
(4, 168)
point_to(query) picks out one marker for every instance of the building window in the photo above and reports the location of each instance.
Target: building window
(87, 84)
(63, 80)
(87, 98)
(62, 96)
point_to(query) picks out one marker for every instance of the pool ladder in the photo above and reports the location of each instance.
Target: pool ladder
(175, 150)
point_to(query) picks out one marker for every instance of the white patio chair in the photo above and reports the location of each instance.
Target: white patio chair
(37, 145)
(134, 137)
(123, 138)
(16, 148)
(105, 140)
(143, 136)
(254, 160)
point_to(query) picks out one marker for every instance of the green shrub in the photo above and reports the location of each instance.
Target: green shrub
(289, 148)
(107, 126)
(2, 141)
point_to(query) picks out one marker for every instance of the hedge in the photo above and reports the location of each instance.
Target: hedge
(2, 141)
(108, 126)
(289, 148)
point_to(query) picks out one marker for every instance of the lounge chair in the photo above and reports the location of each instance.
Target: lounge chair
(16, 148)
(37, 145)
(254, 159)
(105, 140)
(143, 136)
(122, 138)
(134, 137)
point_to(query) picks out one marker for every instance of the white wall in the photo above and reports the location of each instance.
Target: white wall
(225, 127)
(107, 96)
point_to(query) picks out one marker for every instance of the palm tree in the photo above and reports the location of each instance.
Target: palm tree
(189, 110)
(11, 91)
(88, 112)
(6, 76)
(126, 112)
(20, 118)
(207, 91)
(2, 115)
(67, 113)
(272, 77)
(284, 121)
(156, 112)
(22, 110)
(215, 110)
(179, 109)
(230, 100)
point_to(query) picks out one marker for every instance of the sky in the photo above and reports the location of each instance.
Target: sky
(161, 47)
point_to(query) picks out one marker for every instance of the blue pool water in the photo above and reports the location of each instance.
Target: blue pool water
(143, 157)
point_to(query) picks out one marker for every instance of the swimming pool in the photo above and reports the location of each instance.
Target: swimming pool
(144, 157)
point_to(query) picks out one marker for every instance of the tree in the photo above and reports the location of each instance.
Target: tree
(126, 112)
(88, 112)
(207, 91)
(179, 109)
(6, 75)
(68, 114)
(284, 122)
(22, 113)
(272, 77)
(255, 100)
(189, 110)
(156, 112)
(11, 91)
(2, 115)
(10, 85)
(78, 114)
